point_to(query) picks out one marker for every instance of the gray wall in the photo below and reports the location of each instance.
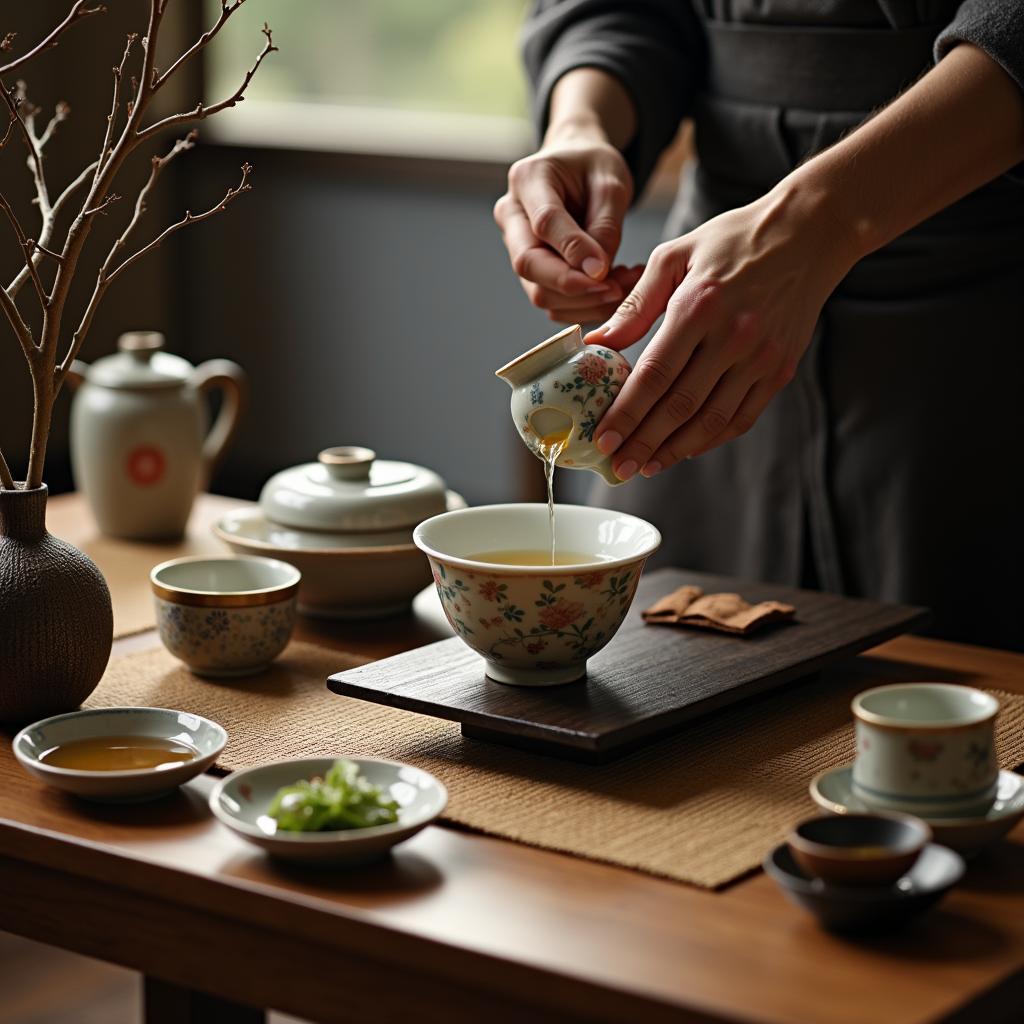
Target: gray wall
(371, 303)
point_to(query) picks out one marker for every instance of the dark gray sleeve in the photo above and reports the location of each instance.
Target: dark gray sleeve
(654, 47)
(995, 26)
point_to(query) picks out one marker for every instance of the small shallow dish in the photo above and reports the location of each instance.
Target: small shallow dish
(536, 625)
(202, 734)
(241, 801)
(868, 908)
(833, 791)
(858, 849)
(228, 616)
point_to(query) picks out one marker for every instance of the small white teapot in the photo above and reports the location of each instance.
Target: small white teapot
(139, 446)
(560, 390)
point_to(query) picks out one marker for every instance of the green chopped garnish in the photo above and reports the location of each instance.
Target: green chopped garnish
(342, 799)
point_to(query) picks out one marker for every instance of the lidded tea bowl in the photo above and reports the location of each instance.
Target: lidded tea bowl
(349, 490)
(346, 523)
(560, 389)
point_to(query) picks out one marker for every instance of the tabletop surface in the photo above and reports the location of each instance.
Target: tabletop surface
(460, 919)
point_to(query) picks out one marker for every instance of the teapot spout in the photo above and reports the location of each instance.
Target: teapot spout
(604, 469)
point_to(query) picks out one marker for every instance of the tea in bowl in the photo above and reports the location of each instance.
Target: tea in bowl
(227, 616)
(926, 748)
(536, 623)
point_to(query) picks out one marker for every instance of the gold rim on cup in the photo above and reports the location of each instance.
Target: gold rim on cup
(873, 718)
(224, 599)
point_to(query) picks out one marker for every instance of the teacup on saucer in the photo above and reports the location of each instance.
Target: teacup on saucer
(833, 790)
(926, 749)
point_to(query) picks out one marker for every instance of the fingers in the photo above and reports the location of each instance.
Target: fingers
(544, 205)
(607, 204)
(716, 414)
(687, 320)
(647, 301)
(534, 261)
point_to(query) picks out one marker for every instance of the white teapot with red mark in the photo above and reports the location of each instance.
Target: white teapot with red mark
(140, 450)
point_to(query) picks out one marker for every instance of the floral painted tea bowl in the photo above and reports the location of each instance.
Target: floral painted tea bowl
(227, 616)
(536, 625)
(926, 749)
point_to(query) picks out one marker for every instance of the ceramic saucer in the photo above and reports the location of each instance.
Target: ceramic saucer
(833, 790)
(863, 908)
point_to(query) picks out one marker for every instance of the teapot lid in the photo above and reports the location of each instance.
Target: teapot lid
(349, 489)
(140, 362)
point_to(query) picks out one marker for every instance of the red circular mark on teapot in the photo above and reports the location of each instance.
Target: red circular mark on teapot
(145, 465)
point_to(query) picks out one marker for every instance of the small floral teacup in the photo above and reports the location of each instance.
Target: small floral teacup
(926, 749)
(227, 616)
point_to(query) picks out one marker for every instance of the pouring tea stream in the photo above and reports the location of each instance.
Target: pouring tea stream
(560, 390)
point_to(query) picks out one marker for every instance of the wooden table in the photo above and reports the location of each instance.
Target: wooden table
(460, 927)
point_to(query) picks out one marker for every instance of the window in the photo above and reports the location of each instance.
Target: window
(430, 77)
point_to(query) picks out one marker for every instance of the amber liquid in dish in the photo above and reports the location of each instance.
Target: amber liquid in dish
(538, 557)
(119, 753)
(548, 449)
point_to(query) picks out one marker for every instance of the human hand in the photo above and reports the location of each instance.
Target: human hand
(561, 220)
(741, 295)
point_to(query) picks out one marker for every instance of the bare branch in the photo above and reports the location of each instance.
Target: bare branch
(200, 112)
(7, 134)
(101, 206)
(38, 247)
(6, 478)
(21, 329)
(79, 10)
(158, 163)
(27, 247)
(16, 99)
(106, 277)
(83, 176)
(46, 231)
(227, 8)
(61, 112)
(115, 103)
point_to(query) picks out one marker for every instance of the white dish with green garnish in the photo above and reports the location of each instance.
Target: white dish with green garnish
(321, 810)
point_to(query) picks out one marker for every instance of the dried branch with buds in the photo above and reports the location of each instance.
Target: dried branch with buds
(50, 266)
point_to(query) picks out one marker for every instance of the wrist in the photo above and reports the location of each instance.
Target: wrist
(577, 127)
(816, 206)
(825, 189)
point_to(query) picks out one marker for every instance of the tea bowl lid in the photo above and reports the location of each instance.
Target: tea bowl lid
(349, 489)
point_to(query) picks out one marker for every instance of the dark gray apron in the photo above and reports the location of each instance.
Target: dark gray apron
(888, 468)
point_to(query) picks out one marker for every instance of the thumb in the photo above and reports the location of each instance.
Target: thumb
(645, 303)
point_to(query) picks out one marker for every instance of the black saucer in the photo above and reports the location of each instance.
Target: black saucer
(868, 908)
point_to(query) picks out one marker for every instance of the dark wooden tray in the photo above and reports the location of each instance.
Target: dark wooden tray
(645, 683)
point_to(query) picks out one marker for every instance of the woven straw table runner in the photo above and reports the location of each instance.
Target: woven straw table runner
(703, 806)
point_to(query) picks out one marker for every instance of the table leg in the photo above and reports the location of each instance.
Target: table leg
(164, 1003)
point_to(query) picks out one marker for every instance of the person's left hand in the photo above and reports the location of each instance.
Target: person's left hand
(741, 295)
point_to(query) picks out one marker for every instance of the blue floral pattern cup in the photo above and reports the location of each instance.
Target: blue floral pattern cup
(227, 616)
(926, 749)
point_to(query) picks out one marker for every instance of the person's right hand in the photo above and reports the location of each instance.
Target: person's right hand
(561, 220)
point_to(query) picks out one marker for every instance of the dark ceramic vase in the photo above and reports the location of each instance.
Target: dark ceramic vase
(56, 623)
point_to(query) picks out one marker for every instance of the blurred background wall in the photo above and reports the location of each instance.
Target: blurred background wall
(362, 283)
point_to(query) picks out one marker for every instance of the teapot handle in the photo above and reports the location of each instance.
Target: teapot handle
(229, 378)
